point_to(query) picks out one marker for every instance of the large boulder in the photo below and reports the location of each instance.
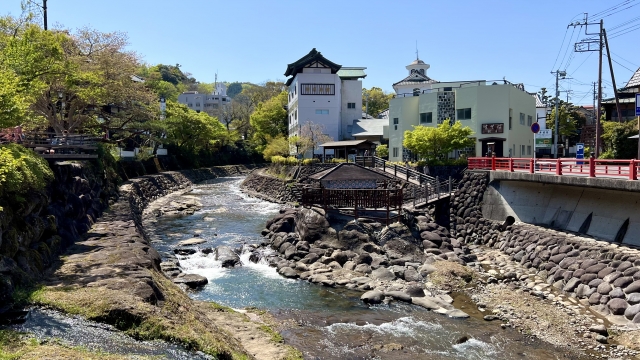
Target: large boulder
(383, 274)
(191, 280)
(372, 297)
(283, 222)
(311, 225)
(227, 256)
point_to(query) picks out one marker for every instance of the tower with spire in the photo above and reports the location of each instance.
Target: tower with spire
(417, 79)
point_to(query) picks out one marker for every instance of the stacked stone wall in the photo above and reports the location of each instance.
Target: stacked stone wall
(598, 273)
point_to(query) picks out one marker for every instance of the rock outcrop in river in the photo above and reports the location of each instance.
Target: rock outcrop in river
(388, 262)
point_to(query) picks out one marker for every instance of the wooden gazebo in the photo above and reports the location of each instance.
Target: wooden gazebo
(355, 190)
(346, 147)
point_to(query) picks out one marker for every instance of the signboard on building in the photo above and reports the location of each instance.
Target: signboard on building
(543, 139)
(496, 128)
(637, 104)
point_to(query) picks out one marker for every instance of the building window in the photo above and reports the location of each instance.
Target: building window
(295, 114)
(426, 118)
(215, 106)
(322, 112)
(521, 150)
(349, 129)
(510, 118)
(351, 105)
(190, 105)
(318, 89)
(395, 152)
(529, 121)
(395, 123)
(197, 104)
(528, 149)
(521, 119)
(464, 114)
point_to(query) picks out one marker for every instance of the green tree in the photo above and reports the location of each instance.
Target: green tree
(382, 151)
(277, 146)
(270, 118)
(234, 89)
(615, 138)
(436, 142)
(191, 130)
(568, 119)
(378, 101)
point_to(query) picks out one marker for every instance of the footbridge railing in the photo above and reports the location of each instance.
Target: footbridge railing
(622, 169)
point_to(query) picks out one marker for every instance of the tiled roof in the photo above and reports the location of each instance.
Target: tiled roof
(539, 103)
(349, 171)
(368, 127)
(343, 143)
(313, 55)
(415, 78)
(635, 79)
(352, 72)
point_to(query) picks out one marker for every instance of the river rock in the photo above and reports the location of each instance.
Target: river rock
(571, 285)
(617, 306)
(399, 295)
(426, 302)
(382, 274)
(426, 269)
(363, 268)
(372, 297)
(191, 280)
(192, 241)
(634, 287)
(288, 272)
(623, 282)
(599, 329)
(604, 288)
(457, 314)
(227, 256)
(632, 311)
(415, 291)
(185, 251)
(410, 274)
(633, 298)
(616, 293)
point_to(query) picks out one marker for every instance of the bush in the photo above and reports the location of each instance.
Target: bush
(337, 160)
(382, 151)
(307, 162)
(22, 170)
(291, 160)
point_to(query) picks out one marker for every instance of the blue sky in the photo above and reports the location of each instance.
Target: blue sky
(254, 40)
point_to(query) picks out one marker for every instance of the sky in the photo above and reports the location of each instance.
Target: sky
(254, 40)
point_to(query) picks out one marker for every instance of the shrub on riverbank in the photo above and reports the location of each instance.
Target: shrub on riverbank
(22, 170)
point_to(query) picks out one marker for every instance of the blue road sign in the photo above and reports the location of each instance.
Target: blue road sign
(535, 127)
(637, 104)
(579, 152)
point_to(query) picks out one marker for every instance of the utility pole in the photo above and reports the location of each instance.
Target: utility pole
(593, 112)
(44, 9)
(584, 46)
(613, 78)
(557, 100)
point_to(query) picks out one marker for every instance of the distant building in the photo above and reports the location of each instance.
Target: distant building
(325, 93)
(500, 115)
(212, 104)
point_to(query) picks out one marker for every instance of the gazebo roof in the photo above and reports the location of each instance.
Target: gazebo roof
(349, 171)
(346, 143)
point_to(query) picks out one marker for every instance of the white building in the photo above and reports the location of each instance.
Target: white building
(325, 93)
(500, 114)
(212, 104)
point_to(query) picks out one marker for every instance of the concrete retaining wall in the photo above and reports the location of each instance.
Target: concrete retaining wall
(567, 208)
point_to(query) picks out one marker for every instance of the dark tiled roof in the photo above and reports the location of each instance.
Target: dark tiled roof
(313, 55)
(349, 171)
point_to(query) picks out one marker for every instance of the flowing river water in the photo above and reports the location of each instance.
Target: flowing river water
(326, 323)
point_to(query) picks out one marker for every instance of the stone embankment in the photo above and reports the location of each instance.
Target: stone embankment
(259, 183)
(603, 275)
(388, 262)
(37, 226)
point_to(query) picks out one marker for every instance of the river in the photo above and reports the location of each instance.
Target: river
(330, 323)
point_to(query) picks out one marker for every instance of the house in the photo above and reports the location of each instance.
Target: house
(626, 97)
(213, 104)
(500, 114)
(323, 93)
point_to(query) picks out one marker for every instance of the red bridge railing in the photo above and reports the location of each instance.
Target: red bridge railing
(628, 169)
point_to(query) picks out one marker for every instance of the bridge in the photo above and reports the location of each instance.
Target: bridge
(61, 146)
(595, 197)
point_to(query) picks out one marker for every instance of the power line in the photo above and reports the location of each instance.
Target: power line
(614, 60)
(614, 7)
(621, 58)
(582, 63)
(618, 34)
(568, 46)
(628, 7)
(561, 45)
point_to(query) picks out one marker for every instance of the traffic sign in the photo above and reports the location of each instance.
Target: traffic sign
(535, 127)
(579, 152)
(637, 104)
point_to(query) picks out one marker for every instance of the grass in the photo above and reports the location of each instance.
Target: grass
(175, 321)
(275, 337)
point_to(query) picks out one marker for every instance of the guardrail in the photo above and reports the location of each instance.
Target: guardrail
(628, 169)
(398, 171)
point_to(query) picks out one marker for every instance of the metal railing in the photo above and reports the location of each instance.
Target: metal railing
(623, 169)
(398, 171)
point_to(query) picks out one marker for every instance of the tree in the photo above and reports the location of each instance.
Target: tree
(311, 135)
(378, 101)
(615, 138)
(270, 118)
(277, 146)
(382, 151)
(567, 119)
(191, 130)
(234, 89)
(436, 142)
